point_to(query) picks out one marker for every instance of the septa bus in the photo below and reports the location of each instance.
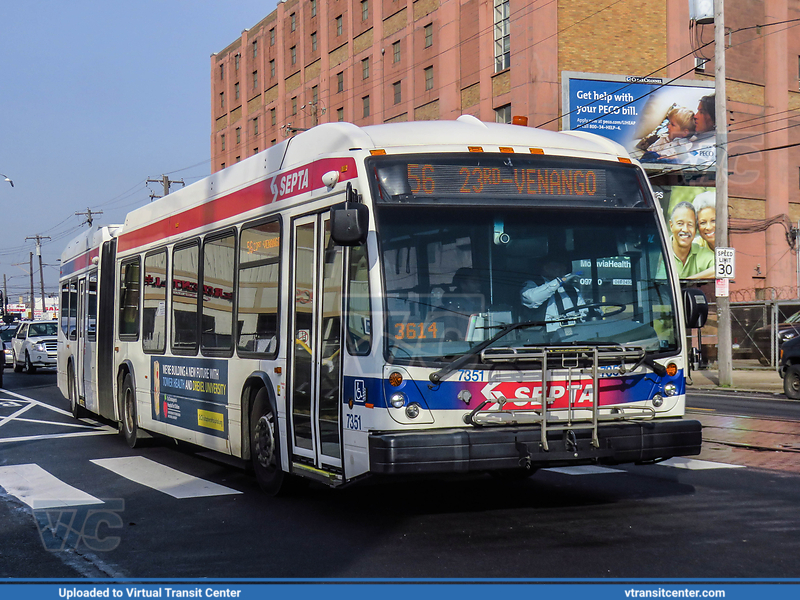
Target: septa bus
(302, 309)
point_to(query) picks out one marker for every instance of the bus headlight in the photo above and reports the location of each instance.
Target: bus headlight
(658, 400)
(398, 399)
(670, 389)
(412, 411)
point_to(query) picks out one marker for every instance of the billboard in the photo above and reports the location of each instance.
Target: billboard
(661, 122)
(691, 216)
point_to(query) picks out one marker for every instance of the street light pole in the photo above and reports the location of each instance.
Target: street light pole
(724, 347)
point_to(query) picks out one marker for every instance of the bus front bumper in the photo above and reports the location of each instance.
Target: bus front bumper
(499, 448)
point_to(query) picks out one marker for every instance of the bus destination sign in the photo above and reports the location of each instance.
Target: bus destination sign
(451, 180)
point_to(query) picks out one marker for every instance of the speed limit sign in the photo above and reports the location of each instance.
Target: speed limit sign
(725, 263)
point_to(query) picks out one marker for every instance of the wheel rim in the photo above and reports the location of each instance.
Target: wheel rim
(264, 442)
(128, 410)
(794, 382)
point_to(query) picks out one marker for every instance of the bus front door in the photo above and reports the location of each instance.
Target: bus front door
(315, 366)
(80, 351)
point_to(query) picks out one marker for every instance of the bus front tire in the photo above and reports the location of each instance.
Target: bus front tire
(130, 428)
(265, 453)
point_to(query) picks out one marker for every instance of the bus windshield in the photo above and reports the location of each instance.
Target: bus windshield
(455, 276)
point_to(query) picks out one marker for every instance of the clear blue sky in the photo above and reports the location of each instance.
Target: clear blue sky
(97, 97)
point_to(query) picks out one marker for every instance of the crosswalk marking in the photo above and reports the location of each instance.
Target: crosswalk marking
(695, 464)
(163, 478)
(38, 489)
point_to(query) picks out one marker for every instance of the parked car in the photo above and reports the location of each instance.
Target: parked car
(6, 335)
(789, 368)
(762, 337)
(35, 344)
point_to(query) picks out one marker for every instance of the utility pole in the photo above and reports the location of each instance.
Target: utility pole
(89, 215)
(5, 296)
(724, 349)
(38, 239)
(33, 300)
(166, 182)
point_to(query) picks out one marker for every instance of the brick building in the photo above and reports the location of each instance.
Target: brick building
(375, 61)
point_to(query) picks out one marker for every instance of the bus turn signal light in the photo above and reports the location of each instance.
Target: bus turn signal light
(672, 369)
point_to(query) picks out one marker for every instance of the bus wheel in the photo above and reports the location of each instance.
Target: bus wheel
(75, 408)
(130, 429)
(265, 445)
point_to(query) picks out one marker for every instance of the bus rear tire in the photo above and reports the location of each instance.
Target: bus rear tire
(75, 408)
(130, 428)
(265, 453)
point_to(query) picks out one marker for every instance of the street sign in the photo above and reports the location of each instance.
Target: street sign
(725, 263)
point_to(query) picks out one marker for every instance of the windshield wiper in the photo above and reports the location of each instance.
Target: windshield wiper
(437, 376)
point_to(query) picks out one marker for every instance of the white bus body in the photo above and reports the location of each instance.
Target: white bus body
(241, 325)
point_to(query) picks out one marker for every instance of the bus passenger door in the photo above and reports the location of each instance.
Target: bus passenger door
(315, 376)
(80, 350)
(89, 342)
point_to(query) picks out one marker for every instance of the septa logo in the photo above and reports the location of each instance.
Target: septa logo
(527, 395)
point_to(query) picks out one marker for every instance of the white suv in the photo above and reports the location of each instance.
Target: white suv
(35, 345)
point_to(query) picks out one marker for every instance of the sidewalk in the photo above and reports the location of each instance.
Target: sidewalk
(744, 380)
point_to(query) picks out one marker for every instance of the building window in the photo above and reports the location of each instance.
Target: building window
(429, 35)
(222, 99)
(314, 42)
(396, 51)
(294, 105)
(313, 8)
(255, 49)
(222, 72)
(503, 114)
(272, 37)
(314, 95)
(273, 117)
(365, 104)
(339, 25)
(293, 18)
(236, 90)
(236, 59)
(364, 10)
(255, 150)
(222, 141)
(293, 54)
(238, 135)
(255, 80)
(365, 68)
(428, 78)
(340, 82)
(238, 158)
(255, 126)
(502, 37)
(272, 68)
(398, 96)
(340, 114)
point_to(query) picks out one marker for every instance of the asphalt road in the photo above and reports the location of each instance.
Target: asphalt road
(682, 519)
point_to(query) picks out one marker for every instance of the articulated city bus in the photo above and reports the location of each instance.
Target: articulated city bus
(413, 298)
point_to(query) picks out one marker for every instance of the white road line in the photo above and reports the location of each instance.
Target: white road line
(37, 488)
(695, 464)
(11, 417)
(163, 478)
(582, 470)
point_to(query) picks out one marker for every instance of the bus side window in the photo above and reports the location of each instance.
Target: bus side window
(359, 324)
(154, 314)
(184, 298)
(259, 276)
(128, 300)
(219, 261)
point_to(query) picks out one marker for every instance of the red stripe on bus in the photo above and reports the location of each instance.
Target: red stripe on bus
(281, 186)
(79, 262)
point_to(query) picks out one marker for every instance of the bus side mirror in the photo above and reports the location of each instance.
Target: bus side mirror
(350, 221)
(695, 307)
